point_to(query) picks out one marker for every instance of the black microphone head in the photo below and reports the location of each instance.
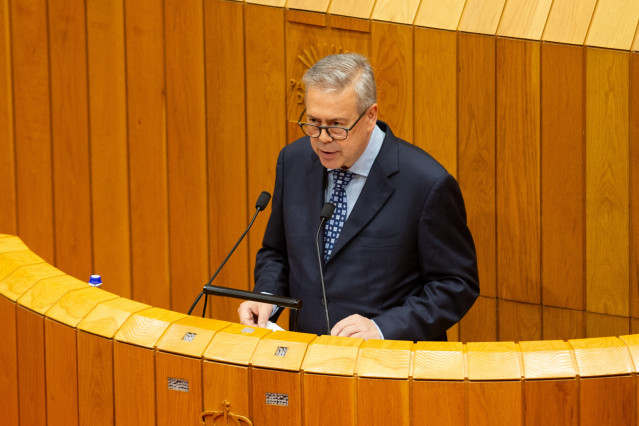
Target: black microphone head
(327, 211)
(262, 200)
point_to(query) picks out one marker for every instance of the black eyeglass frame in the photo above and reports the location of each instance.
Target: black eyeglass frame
(327, 128)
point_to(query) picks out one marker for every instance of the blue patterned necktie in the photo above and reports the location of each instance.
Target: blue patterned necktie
(341, 179)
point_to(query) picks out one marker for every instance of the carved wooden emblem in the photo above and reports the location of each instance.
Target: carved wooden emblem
(225, 417)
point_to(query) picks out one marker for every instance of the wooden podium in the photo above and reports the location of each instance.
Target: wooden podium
(77, 355)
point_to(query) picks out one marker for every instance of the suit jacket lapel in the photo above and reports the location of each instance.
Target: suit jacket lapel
(377, 189)
(315, 175)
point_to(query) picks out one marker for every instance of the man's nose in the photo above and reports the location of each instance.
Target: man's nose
(324, 136)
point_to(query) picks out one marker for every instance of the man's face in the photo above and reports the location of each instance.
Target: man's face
(339, 109)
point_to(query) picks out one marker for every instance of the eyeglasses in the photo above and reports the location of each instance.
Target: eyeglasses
(337, 133)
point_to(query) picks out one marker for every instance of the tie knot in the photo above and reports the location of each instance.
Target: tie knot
(341, 178)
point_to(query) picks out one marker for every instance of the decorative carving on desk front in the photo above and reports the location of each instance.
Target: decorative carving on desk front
(225, 416)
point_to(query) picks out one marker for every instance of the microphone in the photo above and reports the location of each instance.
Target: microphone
(260, 204)
(325, 215)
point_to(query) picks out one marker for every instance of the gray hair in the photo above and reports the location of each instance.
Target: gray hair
(337, 72)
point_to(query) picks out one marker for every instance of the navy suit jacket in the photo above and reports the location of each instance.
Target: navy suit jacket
(405, 257)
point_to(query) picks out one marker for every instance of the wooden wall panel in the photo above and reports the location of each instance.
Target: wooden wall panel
(226, 382)
(70, 135)
(614, 24)
(487, 399)
(266, 103)
(518, 133)
(392, 60)
(551, 402)
(634, 185)
(562, 324)
(109, 149)
(439, 403)
(435, 93)
(9, 409)
(32, 121)
(96, 405)
(134, 380)
(280, 384)
(480, 323)
(477, 168)
(31, 369)
(174, 406)
(322, 391)
(61, 366)
(8, 220)
(562, 176)
(229, 204)
(598, 406)
(599, 325)
(147, 151)
(519, 321)
(395, 409)
(607, 180)
(188, 204)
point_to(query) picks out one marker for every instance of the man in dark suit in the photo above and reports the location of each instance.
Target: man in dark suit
(399, 261)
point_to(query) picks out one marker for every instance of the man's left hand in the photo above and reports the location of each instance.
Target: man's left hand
(356, 326)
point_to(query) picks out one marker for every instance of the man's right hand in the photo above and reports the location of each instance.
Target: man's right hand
(255, 314)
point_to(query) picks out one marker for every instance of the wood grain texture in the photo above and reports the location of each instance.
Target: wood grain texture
(446, 403)
(134, 380)
(384, 358)
(25, 277)
(438, 361)
(392, 60)
(605, 356)
(563, 323)
(568, 21)
(108, 145)
(235, 344)
(107, 317)
(70, 135)
(268, 351)
(600, 325)
(146, 327)
(71, 308)
(524, 19)
(620, 15)
(395, 409)
(480, 323)
(8, 215)
(9, 409)
(495, 403)
(61, 366)
(551, 402)
(186, 146)
(562, 176)
(178, 406)
(309, 5)
(276, 382)
(435, 91)
(519, 321)
(265, 94)
(518, 193)
(352, 8)
(332, 355)
(226, 382)
(607, 180)
(96, 404)
(31, 368)
(399, 12)
(146, 120)
(634, 185)
(440, 14)
(32, 125)
(481, 16)
(190, 336)
(609, 400)
(322, 391)
(46, 292)
(226, 148)
(547, 359)
(477, 169)
(11, 261)
(494, 361)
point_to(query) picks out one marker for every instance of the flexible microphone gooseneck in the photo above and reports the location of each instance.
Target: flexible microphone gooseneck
(260, 204)
(325, 215)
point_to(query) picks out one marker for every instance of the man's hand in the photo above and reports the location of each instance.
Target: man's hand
(255, 314)
(356, 326)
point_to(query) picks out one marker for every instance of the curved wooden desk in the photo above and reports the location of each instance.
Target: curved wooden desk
(74, 354)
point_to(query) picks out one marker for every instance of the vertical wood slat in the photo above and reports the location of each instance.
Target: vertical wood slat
(31, 368)
(9, 410)
(226, 382)
(559, 324)
(336, 392)
(607, 400)
(480, 322)
(634, 185)
(147, 151)
(186, 116)
(266, 381)
(551, 402)
(395, 409)
(392, 59)
(562, 176)
(8, 220)
(476, 134)
(109, 150)
(518, 142)
(607, 180)
(32, 118)
(96, 404)
(69, 133)
(134, 380)
(61, 366)
(519, 321)
(266, 103)
(486, 402)
(446, 403)
(435, 93)
(226, 121)
(175, 406)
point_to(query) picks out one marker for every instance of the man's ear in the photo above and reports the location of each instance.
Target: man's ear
(371, 115)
